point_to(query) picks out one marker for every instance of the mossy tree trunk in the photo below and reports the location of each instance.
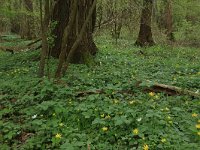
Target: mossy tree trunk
(145, 37)
(86, 45)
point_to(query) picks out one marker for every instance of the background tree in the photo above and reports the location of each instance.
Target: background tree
(29, 19)
(166, 19)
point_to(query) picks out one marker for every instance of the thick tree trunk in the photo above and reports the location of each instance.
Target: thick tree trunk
(87, 45)
(145, 34)
(61, 7)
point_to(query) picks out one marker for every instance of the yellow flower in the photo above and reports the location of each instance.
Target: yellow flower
(151, 94)
(116, 101)
(54, 114)
(168, 117)
(120, 113)
(102, 115)
(135, 131)
(58, 136)
(105, 129)
(61, 124)
(145, 147)
(131, 102)
(166, 108)
(157, 97)
(194, 115)
(108, 117)
(198, 121)
(163, 140)
(198, 126)
(170, 122)
(198, 133)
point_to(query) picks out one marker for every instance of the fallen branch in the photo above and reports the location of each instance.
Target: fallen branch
(36, 41)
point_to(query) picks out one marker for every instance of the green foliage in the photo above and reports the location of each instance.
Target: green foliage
(39, 114)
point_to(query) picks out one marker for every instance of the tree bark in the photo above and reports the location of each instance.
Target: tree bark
(86, 45)
(169, 20)
(165, 20)
(44, 28)
(30, 19)
(145, 37)
(65, 38)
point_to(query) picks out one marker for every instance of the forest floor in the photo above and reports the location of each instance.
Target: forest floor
(98, 106)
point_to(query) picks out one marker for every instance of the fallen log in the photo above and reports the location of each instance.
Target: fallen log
(154, 87)
(173, 90)
(7, 50)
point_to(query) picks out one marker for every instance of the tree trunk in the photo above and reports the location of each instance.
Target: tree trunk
(165, 20)
(169, 21)
(87, 45)
(44, 28)
(145, 34)
(30, 19)
(14, 20)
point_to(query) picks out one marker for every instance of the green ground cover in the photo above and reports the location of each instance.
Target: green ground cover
(44, 115)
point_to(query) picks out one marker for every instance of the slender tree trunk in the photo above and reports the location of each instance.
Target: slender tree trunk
(44, 28)
(169, 20)
(30, 19)
(15, 22)
(145, 34)
(165, 20)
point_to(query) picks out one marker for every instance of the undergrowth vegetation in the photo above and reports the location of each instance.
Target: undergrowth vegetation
(99, 107)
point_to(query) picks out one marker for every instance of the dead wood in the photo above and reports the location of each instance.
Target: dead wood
(156, 87)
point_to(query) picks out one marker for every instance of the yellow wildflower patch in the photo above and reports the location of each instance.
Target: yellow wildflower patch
(170, 122)
(102, 115)
(61, 124)
(152, 94)
(168, 117)
(116, 101)
(135, 131)
(198, 133)
(194, 115)
(198, 126)
(105, 129)
(107, 117)
(145, 147)
(163, 140)
(166, 108)
(58, 135)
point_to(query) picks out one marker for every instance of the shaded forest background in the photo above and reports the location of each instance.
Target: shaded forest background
(119, 19)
